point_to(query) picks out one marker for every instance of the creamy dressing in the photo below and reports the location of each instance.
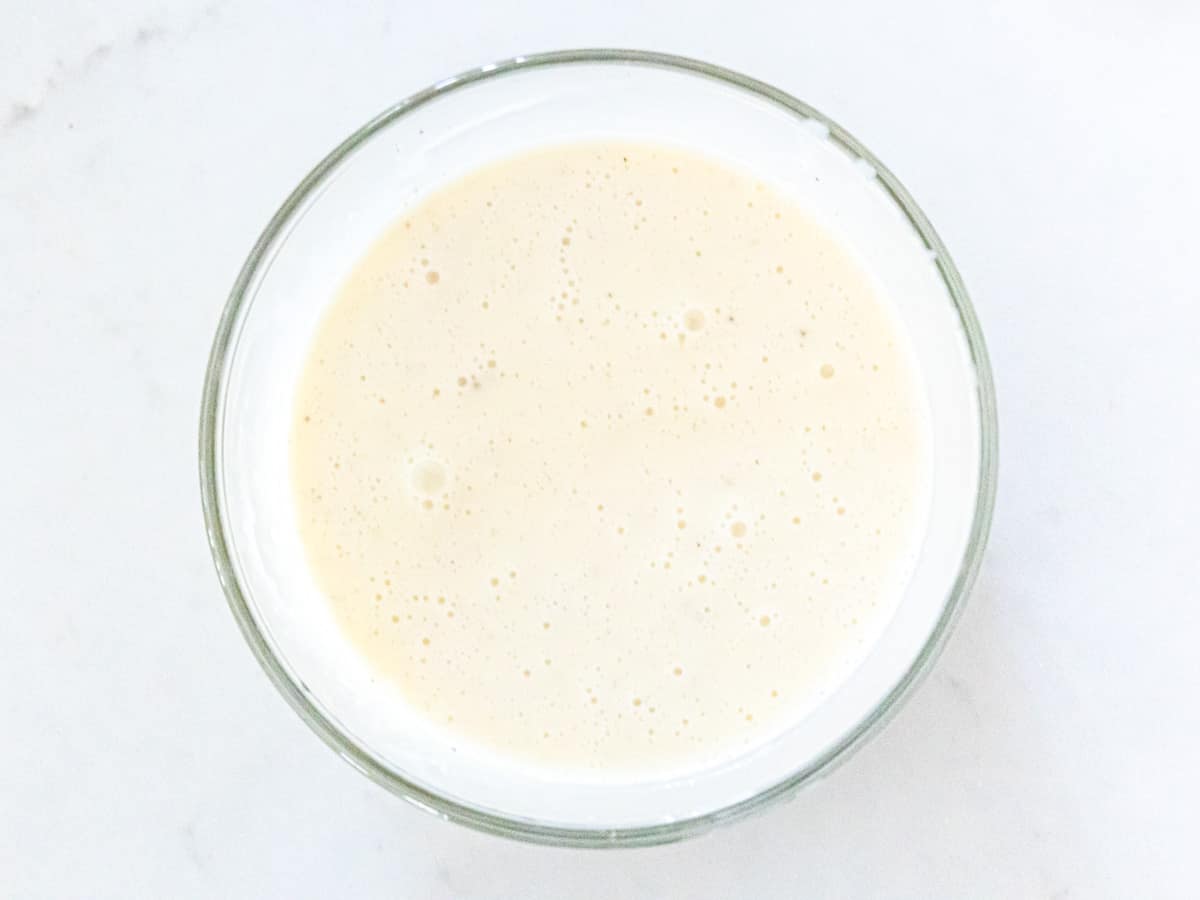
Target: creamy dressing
(608, 457)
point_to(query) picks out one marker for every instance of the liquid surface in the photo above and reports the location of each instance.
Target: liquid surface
(609, 458)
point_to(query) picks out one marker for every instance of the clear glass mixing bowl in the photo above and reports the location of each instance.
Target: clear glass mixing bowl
(337, 211)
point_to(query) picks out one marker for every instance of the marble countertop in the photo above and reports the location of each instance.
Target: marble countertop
(1052, 752)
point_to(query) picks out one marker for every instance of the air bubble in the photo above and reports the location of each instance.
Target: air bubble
(429, 477)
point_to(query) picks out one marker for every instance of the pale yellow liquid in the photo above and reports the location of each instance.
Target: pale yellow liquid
(608, 457)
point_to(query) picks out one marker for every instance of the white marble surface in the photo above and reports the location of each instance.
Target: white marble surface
(1052, 753)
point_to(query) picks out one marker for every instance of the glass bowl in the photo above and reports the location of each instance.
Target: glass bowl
(337, 211)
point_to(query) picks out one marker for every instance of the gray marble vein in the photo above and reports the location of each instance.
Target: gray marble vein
(70, 72)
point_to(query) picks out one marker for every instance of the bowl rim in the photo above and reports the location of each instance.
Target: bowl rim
(211, 423)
